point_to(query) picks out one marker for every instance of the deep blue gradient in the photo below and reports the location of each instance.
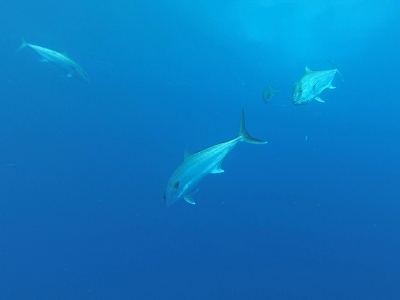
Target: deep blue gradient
(314, 214)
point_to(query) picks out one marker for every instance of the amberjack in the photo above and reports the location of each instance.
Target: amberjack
(196, 166)
(60, 60)
(311, 85)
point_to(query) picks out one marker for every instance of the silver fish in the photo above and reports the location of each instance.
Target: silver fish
(311, 85)
(269, 93)
(60, 60)
(196, 166)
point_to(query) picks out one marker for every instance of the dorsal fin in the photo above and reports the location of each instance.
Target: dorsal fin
(308, 70)
(335, 68)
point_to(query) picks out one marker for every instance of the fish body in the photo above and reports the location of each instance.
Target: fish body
(311, 85)
(196, 166)
(59, 59)
(269, 93)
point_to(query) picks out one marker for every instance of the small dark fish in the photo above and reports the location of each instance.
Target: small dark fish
(269, 93)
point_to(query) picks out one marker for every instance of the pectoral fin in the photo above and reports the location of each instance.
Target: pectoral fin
(217, 170)
(189, 199)
(319, 100)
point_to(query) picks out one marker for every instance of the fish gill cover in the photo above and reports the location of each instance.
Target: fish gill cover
(314, 214)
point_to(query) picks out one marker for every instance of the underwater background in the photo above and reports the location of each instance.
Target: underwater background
(314, 214)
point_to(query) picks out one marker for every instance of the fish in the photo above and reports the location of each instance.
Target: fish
(60, 60)
(312, 84)
(269, 93)
(195, 166)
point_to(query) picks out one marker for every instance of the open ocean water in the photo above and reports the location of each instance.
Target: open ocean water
(313, 214)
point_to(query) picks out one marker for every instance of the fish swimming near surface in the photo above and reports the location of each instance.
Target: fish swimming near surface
(60, 60)
(269, 93)
(196, 166)
(311, 85)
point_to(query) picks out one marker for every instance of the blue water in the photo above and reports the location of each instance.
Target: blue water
(314, 214)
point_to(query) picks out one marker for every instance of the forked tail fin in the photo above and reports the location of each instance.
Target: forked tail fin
(23, 44)
(340, 74)
(245, 136)
(335, 69)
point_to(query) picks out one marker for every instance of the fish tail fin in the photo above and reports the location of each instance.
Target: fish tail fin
(245, 136)
(340, 74)
(23, 44)
(335, 68)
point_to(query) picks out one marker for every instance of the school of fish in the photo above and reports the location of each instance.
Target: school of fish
(195, 166)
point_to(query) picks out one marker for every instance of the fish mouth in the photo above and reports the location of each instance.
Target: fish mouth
(165, 197)
(296, 101)
(165, 200)
(299, 101)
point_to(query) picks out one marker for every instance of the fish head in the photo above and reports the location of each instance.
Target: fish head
(300, 94)
(172, 193)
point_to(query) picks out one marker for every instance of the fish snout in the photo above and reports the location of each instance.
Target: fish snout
(170, 196)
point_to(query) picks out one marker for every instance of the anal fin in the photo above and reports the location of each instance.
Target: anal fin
(217, 170)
